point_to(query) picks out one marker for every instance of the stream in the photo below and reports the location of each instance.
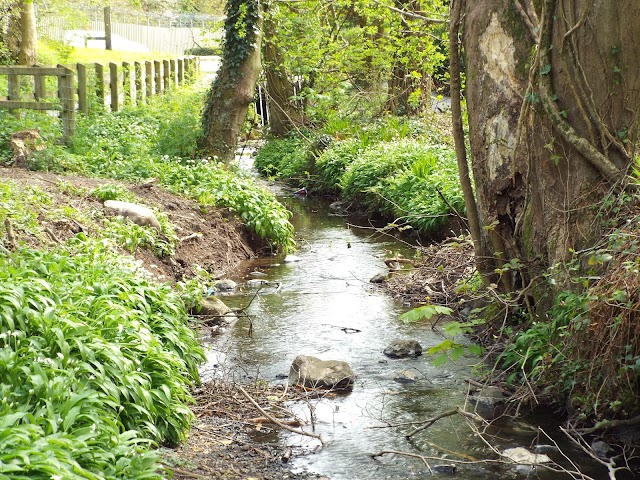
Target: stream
(323, 305)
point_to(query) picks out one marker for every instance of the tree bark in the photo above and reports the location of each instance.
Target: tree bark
(233, 90)
(284, 115)
(28, 42)
(550, 133)
(12, 37)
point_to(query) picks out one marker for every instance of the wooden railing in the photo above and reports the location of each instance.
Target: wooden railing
(124, 84)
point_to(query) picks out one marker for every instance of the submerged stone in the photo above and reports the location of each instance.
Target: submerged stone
(523, 456)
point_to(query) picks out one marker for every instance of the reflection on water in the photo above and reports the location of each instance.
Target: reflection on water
(314, 306)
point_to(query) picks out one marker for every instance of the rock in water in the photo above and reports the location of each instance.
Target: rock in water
(523, 456)
(378, 278)
(406, 376)
(138, 214)
(403, 349)
(216, 308)
(311, 372)
(489, 402)
(225, 285)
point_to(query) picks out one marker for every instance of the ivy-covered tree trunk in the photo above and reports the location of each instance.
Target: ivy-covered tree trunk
(233, 89)
(284, 115)
(552, 128)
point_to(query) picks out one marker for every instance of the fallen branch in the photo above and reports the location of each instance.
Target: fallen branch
(606, 424)
(52, 235)
(291, 423)
(182, 473)
(277, 422)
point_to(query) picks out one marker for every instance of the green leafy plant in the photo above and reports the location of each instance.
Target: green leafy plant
(98, 362)
(112, 191)
(449, 348)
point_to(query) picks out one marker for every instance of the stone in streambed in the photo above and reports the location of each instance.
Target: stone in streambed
(312, 372)
(406, 376)
(403, 349)
(378, 278)
(216, 311)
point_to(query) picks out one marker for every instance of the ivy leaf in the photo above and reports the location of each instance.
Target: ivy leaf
(545, 70)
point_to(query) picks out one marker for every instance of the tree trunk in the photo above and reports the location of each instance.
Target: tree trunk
(233, 90)
(284, 115)
(13, 34)
(28, 42)
(550, 135)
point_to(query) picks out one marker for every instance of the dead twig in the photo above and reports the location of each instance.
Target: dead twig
(277, 422)
(190, 236)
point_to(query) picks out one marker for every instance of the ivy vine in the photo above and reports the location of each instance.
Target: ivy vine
(240, 31)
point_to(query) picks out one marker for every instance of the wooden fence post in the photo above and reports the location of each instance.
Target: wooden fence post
(107, 28)
(148, 79)
(137, 67)
(158, 78)
(126, 84)
(39, 90)
(174, 73)
(113, 84)
(83, 104)
(100, 84)
(165, 74)
(180, 71)
(67, 100)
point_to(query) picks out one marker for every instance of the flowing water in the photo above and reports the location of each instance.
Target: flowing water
(323, 305)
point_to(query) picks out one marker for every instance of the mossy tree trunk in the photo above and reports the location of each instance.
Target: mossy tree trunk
(233, 89)
(553, 97)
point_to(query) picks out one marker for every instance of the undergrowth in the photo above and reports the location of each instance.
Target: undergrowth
(98, 362)
(392, 167)
(586, 354)
(158, 140)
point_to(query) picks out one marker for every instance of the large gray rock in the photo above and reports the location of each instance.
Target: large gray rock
(138, 214)
(214, 312)
(403, 349)
(311, 372)
(378, 278)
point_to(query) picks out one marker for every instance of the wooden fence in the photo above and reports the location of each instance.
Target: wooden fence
(84, 88)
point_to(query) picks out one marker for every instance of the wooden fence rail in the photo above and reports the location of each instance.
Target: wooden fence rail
(84, 87)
